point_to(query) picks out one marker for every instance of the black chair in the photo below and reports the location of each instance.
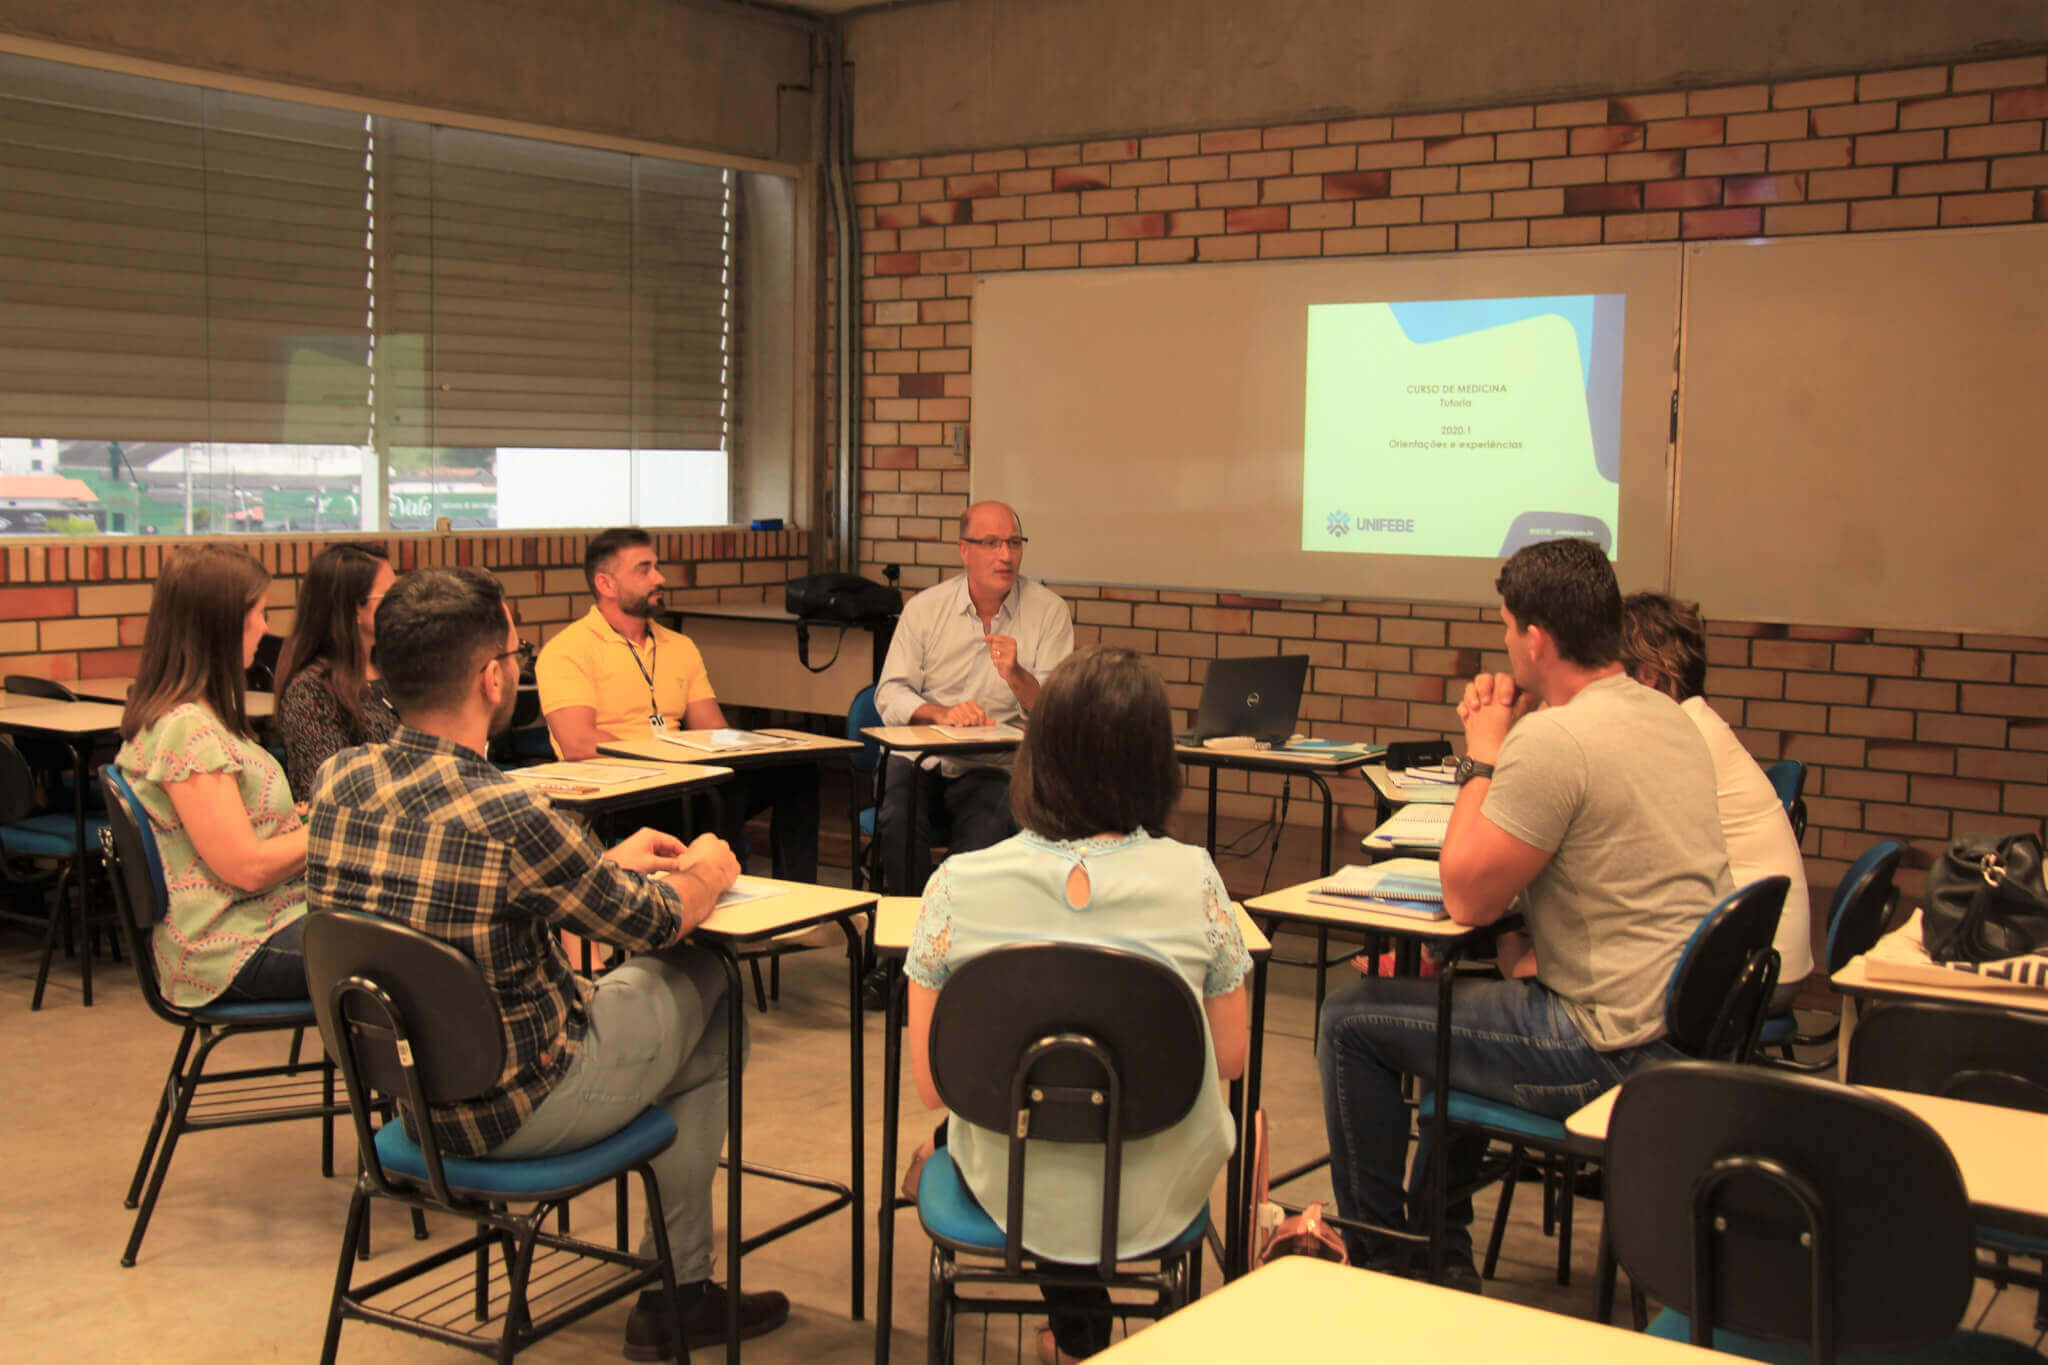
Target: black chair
(194, 1100)
(1773, 1211)
(261, 675)
(1985, 1055)
(1713, 1005)
(1076, 1045)
(33, 835)
(1856, 919)
(410, 1020)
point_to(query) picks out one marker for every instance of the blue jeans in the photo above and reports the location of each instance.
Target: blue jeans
(1511, 1041)
(657, 1035)
(276, 970)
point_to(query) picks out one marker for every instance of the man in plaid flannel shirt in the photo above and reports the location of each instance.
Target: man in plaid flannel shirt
(425, 830)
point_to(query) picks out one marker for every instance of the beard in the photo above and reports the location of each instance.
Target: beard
(646, 606)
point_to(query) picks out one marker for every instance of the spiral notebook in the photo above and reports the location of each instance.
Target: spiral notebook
(1403, 886)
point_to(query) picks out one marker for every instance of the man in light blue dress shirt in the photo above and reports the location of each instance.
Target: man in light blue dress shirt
(969, 651)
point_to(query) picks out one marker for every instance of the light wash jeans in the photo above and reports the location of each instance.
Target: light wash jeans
(657, 1036)
(1510, 1041)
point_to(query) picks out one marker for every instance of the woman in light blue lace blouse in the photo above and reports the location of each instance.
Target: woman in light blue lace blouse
(1094, 781)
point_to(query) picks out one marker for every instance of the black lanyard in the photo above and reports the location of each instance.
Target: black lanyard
(654, 716)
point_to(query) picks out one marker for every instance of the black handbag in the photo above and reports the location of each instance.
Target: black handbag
(1985, 900)
(835, 597)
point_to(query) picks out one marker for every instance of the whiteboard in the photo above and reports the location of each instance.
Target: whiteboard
(1147, 423)
(1860, 431)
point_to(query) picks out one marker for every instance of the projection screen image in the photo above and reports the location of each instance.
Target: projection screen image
(1462, 427)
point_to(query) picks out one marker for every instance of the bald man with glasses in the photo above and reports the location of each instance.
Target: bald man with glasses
(969, 651)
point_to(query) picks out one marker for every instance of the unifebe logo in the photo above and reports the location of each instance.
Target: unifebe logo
(1338, 525)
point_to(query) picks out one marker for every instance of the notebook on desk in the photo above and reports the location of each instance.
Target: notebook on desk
(1257, 698)
(1403, 886)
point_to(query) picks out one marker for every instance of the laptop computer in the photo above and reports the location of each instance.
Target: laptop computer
(1257, 697)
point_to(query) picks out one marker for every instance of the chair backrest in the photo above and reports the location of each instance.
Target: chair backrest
(1787, 1207)
(1863, 902)
(261, 675)
(136, 868)
(404, 1016)
(863, 714)
(1963, 1052)
(1714, 1004)
(1068, 1043)
(17, 784)
(1788, 779)
(28, 685)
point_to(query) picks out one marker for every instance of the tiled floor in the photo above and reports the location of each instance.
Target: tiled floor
(240, 1257)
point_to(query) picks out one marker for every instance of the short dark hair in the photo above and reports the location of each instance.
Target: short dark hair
(604, 548)
(434, 629)
(1568, 588)
(1097, 757)
(1666, 637)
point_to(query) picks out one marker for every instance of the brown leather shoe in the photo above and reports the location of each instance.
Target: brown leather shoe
(650, 1332)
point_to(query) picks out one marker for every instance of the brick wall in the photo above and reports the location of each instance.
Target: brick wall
(1906, 734)
(77, 611)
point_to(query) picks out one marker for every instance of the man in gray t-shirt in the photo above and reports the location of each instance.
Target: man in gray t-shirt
(1599, 813)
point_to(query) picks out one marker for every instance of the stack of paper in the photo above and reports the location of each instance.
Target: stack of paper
(979, 731)
(1416, 825)
(1407, 886)
(723, 741)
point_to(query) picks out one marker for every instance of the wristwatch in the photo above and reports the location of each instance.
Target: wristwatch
(1469, 768)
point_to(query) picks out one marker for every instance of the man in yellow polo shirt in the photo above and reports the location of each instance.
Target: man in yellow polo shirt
(616, 673)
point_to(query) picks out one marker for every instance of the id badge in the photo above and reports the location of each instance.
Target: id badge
(657, 720)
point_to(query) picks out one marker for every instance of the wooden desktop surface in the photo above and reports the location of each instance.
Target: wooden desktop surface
(260, 705)
(1439, 793)
(678, 777)
(896, 916)
(1309, 1312)
(1997, 1149)
(59, 717)
(796, 905)
(1292, 903)
(1273, 760)
(928, 738)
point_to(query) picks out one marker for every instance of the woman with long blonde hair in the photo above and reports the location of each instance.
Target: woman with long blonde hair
(233, 848)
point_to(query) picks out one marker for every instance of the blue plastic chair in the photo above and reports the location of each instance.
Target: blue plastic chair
(234, 1099)
(410, 1020)
(1076, 1045)
(867, 859)
(1856, 920)
(1787, 1218)
(1788, 780)
(30, 834)
(1713, 1006)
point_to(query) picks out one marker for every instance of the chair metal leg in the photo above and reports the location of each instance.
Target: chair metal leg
(57, 925)
(163, 1109)
(760, 990)
(1603, 1276)
(657, 1219)
(938, 1339)
(1500, 1212)
(355, 1234)
(1565, 1194)
(171, 1132)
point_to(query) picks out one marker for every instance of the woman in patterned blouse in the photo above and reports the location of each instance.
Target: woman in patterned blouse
(233, 849)
(329, 696)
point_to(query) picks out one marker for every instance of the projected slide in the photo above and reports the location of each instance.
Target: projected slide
(1466, 427)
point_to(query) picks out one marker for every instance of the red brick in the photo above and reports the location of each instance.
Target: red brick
(1077, 178)
(1120, 149)
(2032, 102)
(1850, 119)
(1606, 138)
(1569, 170)
(1509, 120)
(1911, 758)
(1250, 165)
(1836, 688)
(1945, 112)
(1661, 226)
(1812, 154)
(1362, 130)
(1879, 148)
(1942, 177)
(1356, 185)
(1318, 160)
(1602, 198)
(1685, 132)
(1644, 108)
(1766, 189)
(1885, 215)
(1733, 99)
(2010, 171)
(1782, 126)
(1682, 194)
(1831, 750)
(1231, 140)
(1496, 175)
(1885, 85)
(1228, 194)
(1863, 182)
(1456, 208)
(1785, 220)
(1295, 135)
(1547, 142)
(1569, 112)
(2008, 206)
(1723, 223)
(1826, 90)
(1141, 225)
(1992, 75)
(1645, 165)
(1383, 155)
(1272, 218)
(897, 263)
(1428, 125)
(1496, 235)
(1995, 139)
(1528, 203)
(1853, 785)
(1746, 160)
(1355, 241)
(1997, 765)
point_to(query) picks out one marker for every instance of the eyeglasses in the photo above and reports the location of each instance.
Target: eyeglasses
(525, 653)
(1014, 544)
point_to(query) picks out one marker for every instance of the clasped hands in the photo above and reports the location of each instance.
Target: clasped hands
(1490, 707)
(706, 857)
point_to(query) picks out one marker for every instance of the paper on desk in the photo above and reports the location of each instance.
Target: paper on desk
(979, 731)
(723, 741)
(1416, 824)
(1902, 956)
(596, 774)
(749, 889)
